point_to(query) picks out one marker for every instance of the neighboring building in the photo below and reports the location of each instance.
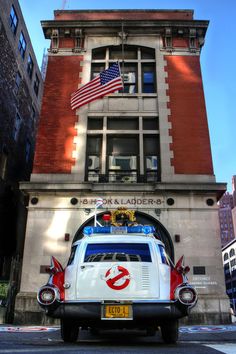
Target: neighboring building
(234, 189)
(229, 261)
(234, 201)
(20, 99)
(226, 219)
(145, 149)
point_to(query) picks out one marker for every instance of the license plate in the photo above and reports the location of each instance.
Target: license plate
(117, 312)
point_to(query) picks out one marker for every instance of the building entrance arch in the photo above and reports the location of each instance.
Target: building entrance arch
(141, 218)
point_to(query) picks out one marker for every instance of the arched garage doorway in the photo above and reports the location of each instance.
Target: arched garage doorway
(142, 218)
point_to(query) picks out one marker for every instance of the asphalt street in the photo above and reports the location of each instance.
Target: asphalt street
(192, 340)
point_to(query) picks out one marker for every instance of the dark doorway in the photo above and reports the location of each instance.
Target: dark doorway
(142, 218)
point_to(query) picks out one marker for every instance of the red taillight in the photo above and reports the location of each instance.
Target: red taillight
(47, 295)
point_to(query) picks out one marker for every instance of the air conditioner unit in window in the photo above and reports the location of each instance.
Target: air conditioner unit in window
(93, 162)
(93, 177)
(151, 163)
(129, 179)
(122, 162)
(129, 78)
(117, 178)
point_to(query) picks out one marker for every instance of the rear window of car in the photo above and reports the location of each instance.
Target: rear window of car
(113, 252)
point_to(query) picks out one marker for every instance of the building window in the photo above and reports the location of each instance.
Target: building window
(27, 150)
(13, 20)
(36, 85)
(226, 256)
(137, 64)
(148, 78)
(94, 148)
(30, 66)
(120, 151)
(3, 163)
(17, 82)
(22, 45)
(17, 126)
(231, 252)
(33, 112)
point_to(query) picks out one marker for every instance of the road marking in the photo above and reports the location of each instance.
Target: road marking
(229, 348)
(207, 329)
(27, 329)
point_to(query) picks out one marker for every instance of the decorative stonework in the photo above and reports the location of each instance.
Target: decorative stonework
(164, 112)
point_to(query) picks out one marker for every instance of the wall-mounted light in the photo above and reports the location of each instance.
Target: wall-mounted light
(67, 237)
(34, 200)
(177, 238)
(158, 212)
(74, 201)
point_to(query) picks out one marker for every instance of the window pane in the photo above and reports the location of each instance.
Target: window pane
(22, 45)
(30, 66)
(148, 78)
(72, 255)
(13, 20)
(151, 145)
(150, 124)
(95, 123)
(17, 81)
(147, 53)
(96, 70)
(99, 53)
(130, 78)
(130, 52)
(94, 145)
(126, 145)
(122, 252)
(164, 258)
(122, 123)
(36, 85)
(17, 127)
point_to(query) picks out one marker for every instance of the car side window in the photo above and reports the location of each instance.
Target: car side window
(72, 254)
(164, 258)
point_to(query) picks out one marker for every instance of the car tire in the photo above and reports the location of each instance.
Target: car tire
(170, 331)
(69, 330)
(151, 331)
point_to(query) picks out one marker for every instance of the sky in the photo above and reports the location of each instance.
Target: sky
(217, 61)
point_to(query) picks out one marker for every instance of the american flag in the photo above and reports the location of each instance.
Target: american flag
(106, 82)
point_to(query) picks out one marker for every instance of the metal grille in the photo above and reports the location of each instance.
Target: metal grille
(145, 278)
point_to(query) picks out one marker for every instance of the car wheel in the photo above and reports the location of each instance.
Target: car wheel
(69, 330)
(170, 331)
(151, 331)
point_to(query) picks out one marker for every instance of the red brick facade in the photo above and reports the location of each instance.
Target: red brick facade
(191, 143)
(57, 123)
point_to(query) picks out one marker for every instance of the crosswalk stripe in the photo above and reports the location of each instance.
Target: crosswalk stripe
(229, 348)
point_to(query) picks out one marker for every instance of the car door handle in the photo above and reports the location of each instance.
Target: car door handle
(87, 266)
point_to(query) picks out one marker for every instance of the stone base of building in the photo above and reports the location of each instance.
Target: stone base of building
(208, 311)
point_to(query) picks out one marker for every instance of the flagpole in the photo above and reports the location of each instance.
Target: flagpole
(123, 52)
(95, 216)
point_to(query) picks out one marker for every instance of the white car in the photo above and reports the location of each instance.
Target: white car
(118, 277)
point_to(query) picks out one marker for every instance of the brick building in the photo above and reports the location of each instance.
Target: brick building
(229, 262)
(20, 99)
(146, 148)
(226, 205)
